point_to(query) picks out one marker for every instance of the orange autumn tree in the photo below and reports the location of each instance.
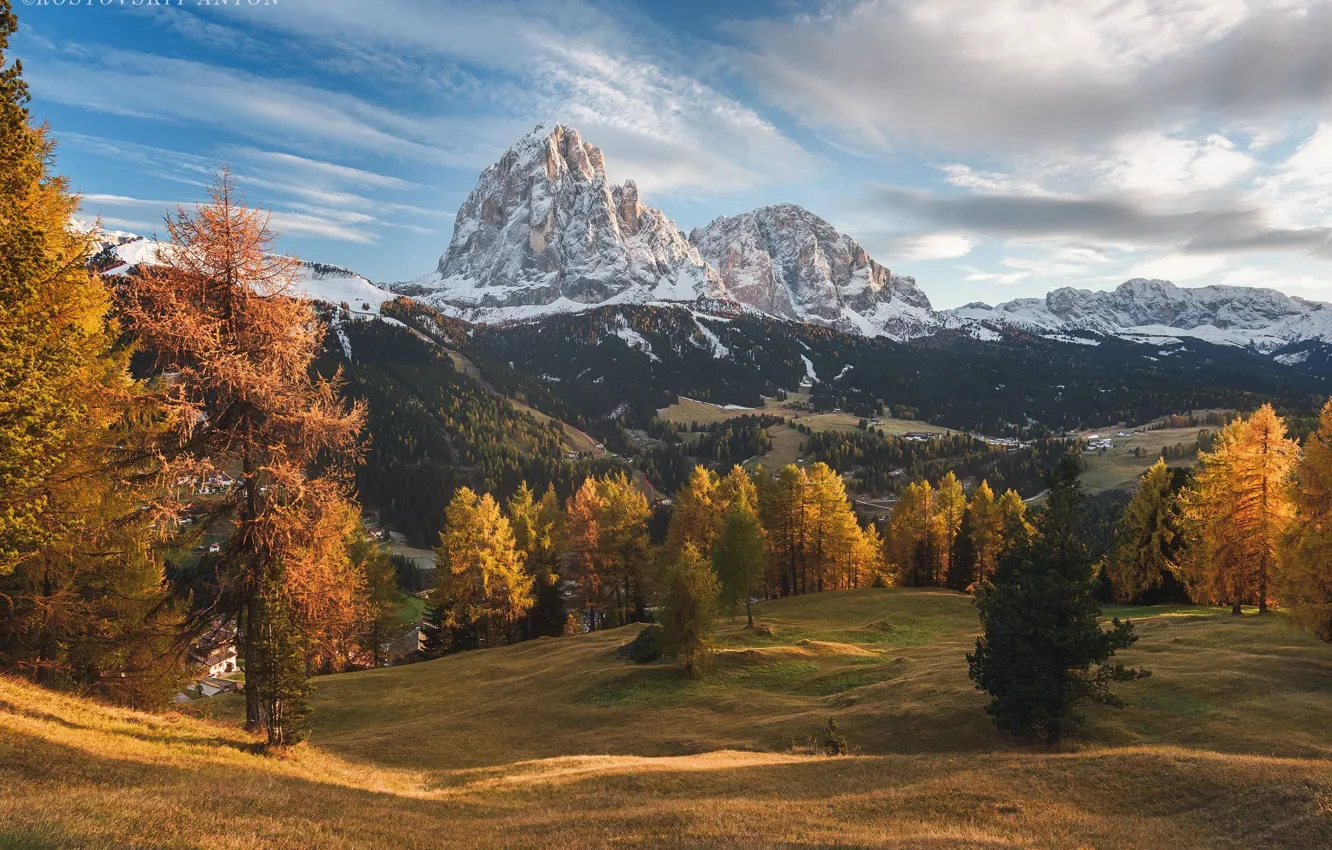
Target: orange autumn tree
(234, 347)
(1306, 548)
(1237, 510)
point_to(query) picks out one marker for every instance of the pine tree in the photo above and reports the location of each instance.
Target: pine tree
(1148, 546)
(1042, 650)
(383, 596)
(689, 612)
(1237, 510)
(1306, 547)
(740, 555)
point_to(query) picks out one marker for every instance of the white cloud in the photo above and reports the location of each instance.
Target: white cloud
(1177, 267)
(933, 246)
(656, 119)
(1155, 164)
(978, 276)
(1024, 75)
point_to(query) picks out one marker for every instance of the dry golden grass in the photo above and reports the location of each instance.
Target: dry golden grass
(556, 743)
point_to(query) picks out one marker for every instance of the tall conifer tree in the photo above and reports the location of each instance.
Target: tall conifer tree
(1237, 509)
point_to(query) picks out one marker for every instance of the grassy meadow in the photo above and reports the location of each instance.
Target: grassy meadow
(557, 743)
(1119, 469)
(786, 441)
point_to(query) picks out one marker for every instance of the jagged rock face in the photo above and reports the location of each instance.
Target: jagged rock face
(545, 228)
(1233, 315)
(788, 262)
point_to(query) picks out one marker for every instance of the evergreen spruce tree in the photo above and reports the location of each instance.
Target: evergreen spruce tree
(1148, 548)
(1042, 650)
(739, 556)
(383, 596)
(689, 612)
(275, 673)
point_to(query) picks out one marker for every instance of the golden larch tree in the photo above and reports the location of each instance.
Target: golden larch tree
(234, 345)
(81, 584)
(1237, 509)
(480, 579)
(1306, 548)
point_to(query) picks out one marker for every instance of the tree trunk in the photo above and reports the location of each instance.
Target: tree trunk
(1235, 609)
(244, 627)
(749, 608)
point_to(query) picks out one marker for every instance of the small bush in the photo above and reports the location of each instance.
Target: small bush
(645, 648)
(834, 742)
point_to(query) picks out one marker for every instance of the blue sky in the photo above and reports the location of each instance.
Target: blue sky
(991, 150)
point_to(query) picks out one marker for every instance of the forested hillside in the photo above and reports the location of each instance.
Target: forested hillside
(432, 429)
(628, 361)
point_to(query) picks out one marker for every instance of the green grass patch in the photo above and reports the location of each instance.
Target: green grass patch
(650, 686)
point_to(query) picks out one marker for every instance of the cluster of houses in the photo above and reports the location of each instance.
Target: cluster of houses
(218, 664)
(217, 483)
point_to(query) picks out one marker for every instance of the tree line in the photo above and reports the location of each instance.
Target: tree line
(1246, 527)
(549, 566)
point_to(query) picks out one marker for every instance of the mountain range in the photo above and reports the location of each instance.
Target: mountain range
(545, 231)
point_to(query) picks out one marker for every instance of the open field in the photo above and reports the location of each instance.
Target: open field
(786, 440)
(1118, 469)
(557, 743)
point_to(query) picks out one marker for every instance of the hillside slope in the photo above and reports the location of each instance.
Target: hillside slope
(557, 744)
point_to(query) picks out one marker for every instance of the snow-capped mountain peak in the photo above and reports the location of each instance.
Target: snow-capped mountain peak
(1158, 309)
(545, 230)
(789, 262)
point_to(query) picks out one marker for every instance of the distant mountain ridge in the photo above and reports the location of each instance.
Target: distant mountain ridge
(546, 232)
(1158, 310)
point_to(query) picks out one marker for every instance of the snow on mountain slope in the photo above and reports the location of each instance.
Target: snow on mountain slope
(1160, 311)
(122, 252)
(788, 262)
(546, 231)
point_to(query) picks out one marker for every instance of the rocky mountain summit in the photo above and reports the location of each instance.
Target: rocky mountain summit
(1159, 310)
(788, 262)
(545, 230)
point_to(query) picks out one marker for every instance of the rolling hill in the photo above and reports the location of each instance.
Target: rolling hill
(556, 743)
